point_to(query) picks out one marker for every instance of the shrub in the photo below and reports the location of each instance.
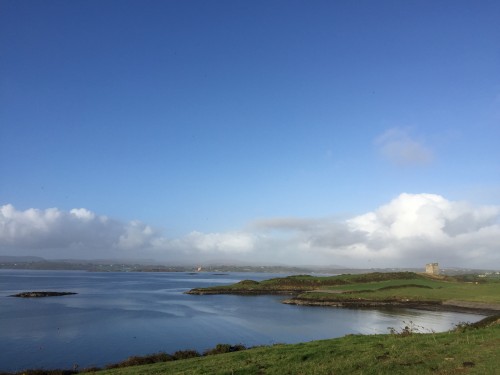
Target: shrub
(185, 354)
(90, 369)
(248, 282)
(142, 360)
(486, 322)
(49, 372)
(405, 286)
(408, 330)
(224, 348)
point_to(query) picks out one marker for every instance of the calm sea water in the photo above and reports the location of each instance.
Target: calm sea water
(116, 315)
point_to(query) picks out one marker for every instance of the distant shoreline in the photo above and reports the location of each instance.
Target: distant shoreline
(121, 265)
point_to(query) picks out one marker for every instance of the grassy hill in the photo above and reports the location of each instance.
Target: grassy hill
(299, 283)
(470, 349)
(375, 289)
(420, 291)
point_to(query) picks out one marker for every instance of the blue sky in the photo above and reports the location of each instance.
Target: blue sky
(228, 127)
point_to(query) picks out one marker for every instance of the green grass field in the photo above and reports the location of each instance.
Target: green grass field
(424, 289)
(395, 286)
(304, 283)
(466, 351)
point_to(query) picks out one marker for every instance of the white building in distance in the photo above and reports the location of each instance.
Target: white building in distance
(432, 268)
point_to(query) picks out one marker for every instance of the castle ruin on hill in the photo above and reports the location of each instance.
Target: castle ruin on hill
(432, 268)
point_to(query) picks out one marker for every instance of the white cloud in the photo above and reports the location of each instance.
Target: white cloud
(55, 231)
(411, 230)
(82, 213)
(415, 227)
(137, 235)
(82, 233)
(284, 224)
(232, 242)
(400, 148)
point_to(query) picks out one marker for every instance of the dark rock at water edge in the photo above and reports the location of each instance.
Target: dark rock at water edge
(41, 294)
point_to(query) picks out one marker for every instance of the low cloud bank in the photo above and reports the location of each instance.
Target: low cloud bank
(409, 231)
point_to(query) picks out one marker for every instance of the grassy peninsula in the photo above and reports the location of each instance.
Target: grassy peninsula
(406, 289)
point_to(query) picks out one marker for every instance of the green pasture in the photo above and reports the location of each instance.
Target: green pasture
(373, 286)
(467, 351)
(418, 289)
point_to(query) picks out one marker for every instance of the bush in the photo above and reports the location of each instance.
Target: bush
(185, 354)
(383, 276)
(224, 348)
(90, 369)
(142, 360)
(248, 282)
(405, 286)
(409, 329)
(486, 322)
(48, 372)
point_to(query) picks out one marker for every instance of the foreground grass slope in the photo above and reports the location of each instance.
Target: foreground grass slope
(465, 351)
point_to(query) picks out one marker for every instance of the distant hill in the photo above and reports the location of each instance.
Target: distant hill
(144, 265)
(20, 259)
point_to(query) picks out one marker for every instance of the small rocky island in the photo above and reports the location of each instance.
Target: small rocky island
(41, 294)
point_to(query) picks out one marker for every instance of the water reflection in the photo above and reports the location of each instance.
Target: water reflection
(379, 321)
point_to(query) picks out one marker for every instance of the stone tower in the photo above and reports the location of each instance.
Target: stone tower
(432, 268)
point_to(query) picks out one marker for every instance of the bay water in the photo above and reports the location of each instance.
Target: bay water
(117, 315)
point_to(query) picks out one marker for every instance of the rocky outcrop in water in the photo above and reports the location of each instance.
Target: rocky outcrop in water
(41, 294)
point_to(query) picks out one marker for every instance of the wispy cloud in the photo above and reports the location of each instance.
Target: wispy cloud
(284, 224)
(229, 242)
(410, 230)
(400, 148)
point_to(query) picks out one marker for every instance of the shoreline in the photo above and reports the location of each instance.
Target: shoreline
(128, 365)
(253, 292)
(451, 306)
(374, 290)
(479, 308)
